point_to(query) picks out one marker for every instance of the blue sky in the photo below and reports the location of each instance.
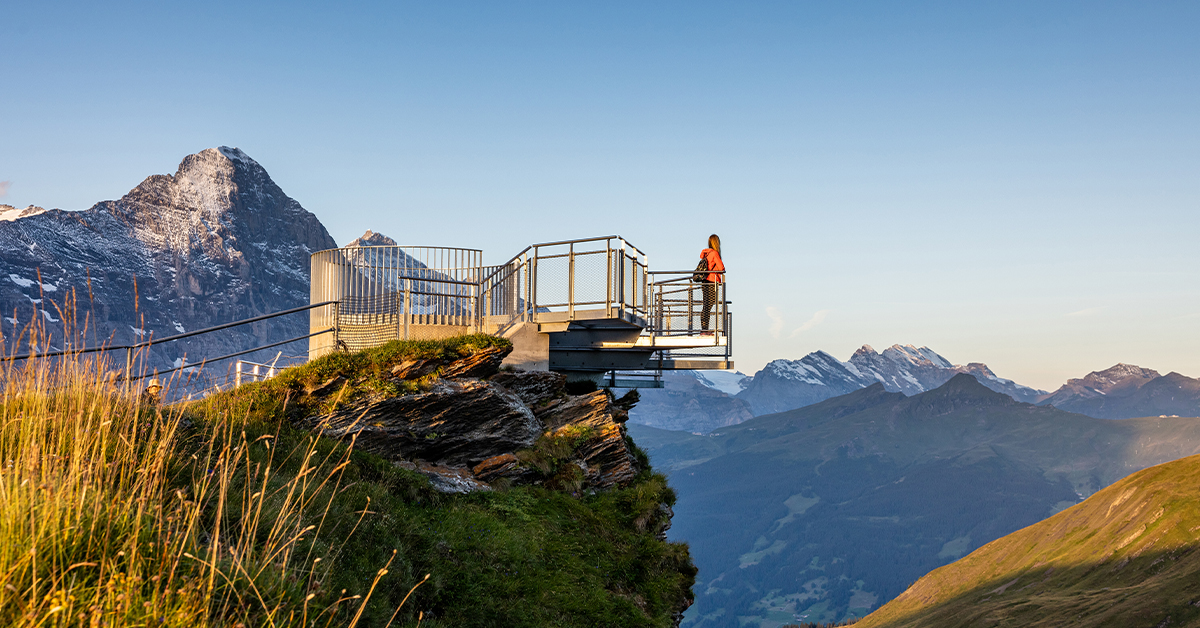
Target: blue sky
(1015, 183)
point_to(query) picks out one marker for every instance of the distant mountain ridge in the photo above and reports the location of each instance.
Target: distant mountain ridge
(215, 242)
(784, 385)
(787, 384)
(1125, 391)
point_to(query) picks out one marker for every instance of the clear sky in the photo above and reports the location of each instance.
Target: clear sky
(1015, 183)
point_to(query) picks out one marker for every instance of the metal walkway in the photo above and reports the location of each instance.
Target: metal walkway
(584, 307)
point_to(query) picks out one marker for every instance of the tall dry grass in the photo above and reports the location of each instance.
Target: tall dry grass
(116, 512)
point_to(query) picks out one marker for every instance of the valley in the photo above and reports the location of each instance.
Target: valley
(856, 497)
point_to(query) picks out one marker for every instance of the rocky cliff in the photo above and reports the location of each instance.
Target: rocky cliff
(468, 426)
(525, 500)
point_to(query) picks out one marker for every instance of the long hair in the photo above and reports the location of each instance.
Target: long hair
(714, 242)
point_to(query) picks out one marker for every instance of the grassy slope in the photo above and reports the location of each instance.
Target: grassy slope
(220, 512)
(525, 556)
(1127, 556)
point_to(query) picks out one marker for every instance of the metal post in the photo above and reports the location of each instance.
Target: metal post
(128, 366)
(571, 283)
(526, 314)
(407, 304)
(608, 294)
(533, 285)
(621, 278)
(237, 379)
(691, 307)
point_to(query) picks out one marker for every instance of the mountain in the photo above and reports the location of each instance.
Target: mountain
(8, 212)
(787, 384)
(370, 238)
(1127, 556)
(1126, 391)
(825, 512)
(690, 402)
(215, 242)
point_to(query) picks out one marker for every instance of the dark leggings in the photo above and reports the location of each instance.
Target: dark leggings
(710, 300)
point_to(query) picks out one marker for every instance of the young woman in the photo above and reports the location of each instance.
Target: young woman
(712, 255)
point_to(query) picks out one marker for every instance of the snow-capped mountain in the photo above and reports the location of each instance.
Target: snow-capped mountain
(215, 242)
(691, 401)
(787, 384)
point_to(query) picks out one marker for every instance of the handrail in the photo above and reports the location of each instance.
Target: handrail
(596, 239)
(54, 354)
(201, 363)
(505, 264)
(399, 246)
(684, 272)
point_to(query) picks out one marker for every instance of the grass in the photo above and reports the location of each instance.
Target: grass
(1126, 556)
(220, 513)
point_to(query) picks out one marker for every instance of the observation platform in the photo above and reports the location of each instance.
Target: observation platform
(589, 308)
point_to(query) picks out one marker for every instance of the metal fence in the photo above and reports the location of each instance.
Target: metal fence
(387, 292)
(383, 293)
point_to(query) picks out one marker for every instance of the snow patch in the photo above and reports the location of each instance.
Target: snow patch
(25, 283)
(179, 328)
(49, 318)
(20, 281)
(9, 213)
(728, 382)
(137, 332)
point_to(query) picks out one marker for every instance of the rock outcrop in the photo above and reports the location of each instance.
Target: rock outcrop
(466, 432)
(458, 423)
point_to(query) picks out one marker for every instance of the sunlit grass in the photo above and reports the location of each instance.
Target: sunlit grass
(116, 511)
(120, 513)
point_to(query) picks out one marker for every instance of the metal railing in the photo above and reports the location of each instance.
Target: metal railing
(132, 350)
(198, 381)
(566, 281)
(254, 371)
(383, 293)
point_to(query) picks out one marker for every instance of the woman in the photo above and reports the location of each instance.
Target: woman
(711, 255)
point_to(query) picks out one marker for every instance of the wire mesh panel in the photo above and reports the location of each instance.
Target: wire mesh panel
(552, 289)
(591, 280)
(384, 292)
(687, 308)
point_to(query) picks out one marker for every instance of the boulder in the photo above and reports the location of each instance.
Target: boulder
(446, 479)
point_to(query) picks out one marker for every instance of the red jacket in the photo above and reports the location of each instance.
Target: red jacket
(714, 263)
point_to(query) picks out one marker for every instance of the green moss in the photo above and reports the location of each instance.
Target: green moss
(364, 372)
